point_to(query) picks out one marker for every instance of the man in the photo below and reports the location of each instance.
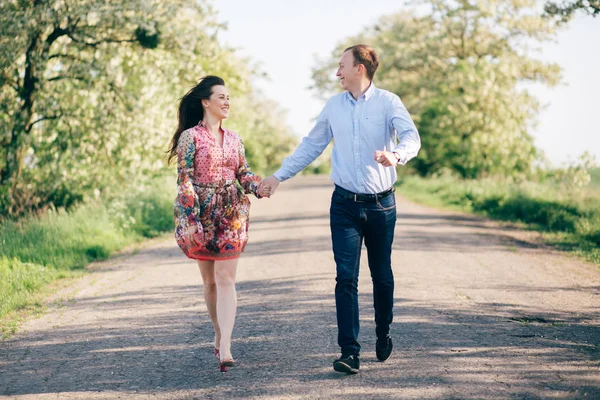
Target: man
(372, 133)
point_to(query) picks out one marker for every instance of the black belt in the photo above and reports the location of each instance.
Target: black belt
(363, 197)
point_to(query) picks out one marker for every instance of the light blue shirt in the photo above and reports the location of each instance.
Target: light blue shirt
(376, 121)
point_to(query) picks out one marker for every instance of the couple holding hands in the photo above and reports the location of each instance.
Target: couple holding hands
(373, 133)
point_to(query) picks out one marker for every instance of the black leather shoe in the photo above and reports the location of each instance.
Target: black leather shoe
(347, 364)
(383, 348)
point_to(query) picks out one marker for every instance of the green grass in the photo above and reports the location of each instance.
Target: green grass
(37, 251)
(595, 174)
(568, 217)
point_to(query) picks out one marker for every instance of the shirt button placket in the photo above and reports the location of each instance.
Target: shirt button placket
(357, 159)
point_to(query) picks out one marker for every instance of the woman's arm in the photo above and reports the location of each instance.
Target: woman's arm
(248, 179)
(187, 200)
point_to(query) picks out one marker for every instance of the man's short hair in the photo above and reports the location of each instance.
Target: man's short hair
(366, 56)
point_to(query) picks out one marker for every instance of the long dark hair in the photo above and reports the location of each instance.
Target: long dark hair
(190, 109)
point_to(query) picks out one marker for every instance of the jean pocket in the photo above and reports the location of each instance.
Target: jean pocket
(387, 204)
(337, 198)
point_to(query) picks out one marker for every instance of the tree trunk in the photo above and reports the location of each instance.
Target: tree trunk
(17, 144)
(36, 58)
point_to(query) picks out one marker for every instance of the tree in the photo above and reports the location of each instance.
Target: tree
(57, 47)
(565, 10)
(89, 90)
(459, 70)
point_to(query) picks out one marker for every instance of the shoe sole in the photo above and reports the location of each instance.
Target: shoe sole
(389, 355)
(343, 367)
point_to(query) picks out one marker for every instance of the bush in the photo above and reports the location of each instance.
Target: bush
(18, 281)
(39, 249)
(547, 207)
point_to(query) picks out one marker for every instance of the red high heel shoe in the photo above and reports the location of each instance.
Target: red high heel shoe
(217, 354)
(225, 364)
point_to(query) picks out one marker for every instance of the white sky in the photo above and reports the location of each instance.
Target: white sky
(283, 37)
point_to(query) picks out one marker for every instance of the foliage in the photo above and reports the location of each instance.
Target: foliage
(577, 174)
(595, 177)
(569, 216)
(39, 249)
(260, 123)
(565, 10)
(89, 90)
(458, 70)
(18, 284)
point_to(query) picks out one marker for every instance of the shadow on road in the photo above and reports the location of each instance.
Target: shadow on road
(409, 235)
(158, 341)
(285, 334)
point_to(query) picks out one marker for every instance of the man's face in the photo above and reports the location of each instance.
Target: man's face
(347, 71)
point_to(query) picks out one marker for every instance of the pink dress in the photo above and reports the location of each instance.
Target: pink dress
(213, 182)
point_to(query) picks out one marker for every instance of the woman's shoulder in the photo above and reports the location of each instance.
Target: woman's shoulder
(193, 131)
(187, 139)
(233, 134)
(190, 134)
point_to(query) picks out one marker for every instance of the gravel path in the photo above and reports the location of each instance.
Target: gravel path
(480, 313)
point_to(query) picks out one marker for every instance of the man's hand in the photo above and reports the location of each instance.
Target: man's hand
(268, 186)
(386, 158)
(264, 189)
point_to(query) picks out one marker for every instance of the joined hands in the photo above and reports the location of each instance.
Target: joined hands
(267, 186)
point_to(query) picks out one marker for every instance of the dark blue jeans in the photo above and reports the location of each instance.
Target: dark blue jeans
(350, 222)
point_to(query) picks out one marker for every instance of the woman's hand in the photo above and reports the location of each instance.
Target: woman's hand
(264, 190)
(268, 186)
(191, 231)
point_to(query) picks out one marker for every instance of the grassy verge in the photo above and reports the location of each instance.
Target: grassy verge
(595, 175)
(568, 218)
(37, 251)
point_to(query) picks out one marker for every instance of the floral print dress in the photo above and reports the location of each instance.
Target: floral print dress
(209, 196)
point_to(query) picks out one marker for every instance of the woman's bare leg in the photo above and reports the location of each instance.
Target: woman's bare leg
(225, 272)
(207, 269)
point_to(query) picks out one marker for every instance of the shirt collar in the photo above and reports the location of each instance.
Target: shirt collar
(370, 91)
(203, 128)
(366, 95)
(201, 124)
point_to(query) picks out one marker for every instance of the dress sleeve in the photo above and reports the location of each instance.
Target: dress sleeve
(248, 179)
(187, 200)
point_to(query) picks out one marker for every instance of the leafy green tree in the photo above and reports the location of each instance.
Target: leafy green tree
(565, 10)
(53, 54)
(459, 71)
(89, 91)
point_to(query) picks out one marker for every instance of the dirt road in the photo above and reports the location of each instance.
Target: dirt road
(479, 313)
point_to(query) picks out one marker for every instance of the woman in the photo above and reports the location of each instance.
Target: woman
(211, 210)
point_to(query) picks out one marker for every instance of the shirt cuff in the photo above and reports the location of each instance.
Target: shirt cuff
(280, 175)
(403, 157)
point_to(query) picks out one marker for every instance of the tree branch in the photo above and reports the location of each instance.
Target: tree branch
(61, 77)
(565, 10)
(56, 33)
(18, 80)
(44, 119)
(67, 56)
(96, 43)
